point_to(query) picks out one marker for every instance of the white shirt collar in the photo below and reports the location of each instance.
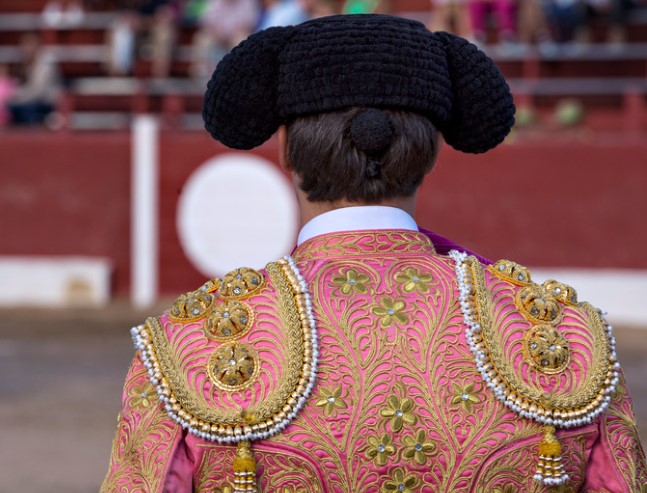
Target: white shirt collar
(357, 219)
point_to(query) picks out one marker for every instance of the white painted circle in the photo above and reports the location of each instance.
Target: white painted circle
(236, 210)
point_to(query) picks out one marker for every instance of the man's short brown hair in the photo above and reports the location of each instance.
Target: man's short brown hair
(331, 167)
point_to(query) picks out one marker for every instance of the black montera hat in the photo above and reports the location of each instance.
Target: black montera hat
(369, 60)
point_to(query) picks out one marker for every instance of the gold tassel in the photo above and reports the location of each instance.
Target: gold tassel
(244, 469)
(550, 470)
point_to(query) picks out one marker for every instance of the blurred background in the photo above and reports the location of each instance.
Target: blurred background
(113, 199)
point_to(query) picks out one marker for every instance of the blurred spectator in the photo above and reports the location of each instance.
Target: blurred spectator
(452, 16)
(40, 84)
(533, 25)
(504, 13)
(322, 8)
(63, 13)
(162, 40)
(157, 34)
(122, 43)
(143, 28)
(366, 6)
(615, 12)
(567, 18)
(191, 11)
(7, 88)
(224, 24)
(282, 13)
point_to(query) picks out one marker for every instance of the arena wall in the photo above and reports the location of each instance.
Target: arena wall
(567, 204)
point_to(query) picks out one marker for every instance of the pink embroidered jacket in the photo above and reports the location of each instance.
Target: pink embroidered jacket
(433, 373)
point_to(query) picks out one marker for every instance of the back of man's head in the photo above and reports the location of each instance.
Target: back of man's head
(361, 155)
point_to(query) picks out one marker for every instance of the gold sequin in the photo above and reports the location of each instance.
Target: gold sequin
(228, 320)
(537, 305)
(511, 271)
(546, 349)
(191, 306)
(563, 292)
(233, 366)
(241, 283)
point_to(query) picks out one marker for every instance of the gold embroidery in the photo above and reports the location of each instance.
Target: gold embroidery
(465, 395)
(511, 271)
(192, 306)
(546, 349)
(229, 320)
(508, 488)
(413, 279)
(350, 280)
(401, 483)
(537, 305)
(624, 441)
(211, 285)
(390, 310)
(380, 448)
(418, 448)
(563, 292)
(568, 402)
(143, 395)
(330, 400)
(143, 442)
(233, 366)
(428, 354)
(189, 402)
(399, 411)
(366, 244)
(241, 283)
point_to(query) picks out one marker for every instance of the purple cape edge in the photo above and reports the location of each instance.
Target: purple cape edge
(444, 245)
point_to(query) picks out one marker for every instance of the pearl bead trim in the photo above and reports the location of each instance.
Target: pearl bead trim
(215, 432)
(563, 419)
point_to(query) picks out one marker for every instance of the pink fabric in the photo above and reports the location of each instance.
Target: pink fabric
(398, 404)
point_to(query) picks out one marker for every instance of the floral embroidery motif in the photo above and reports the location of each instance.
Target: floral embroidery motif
(351, 281)
(414, 280)
(465, 396)
(399, 412)
(380, 448)
(143, 395)
(233, 366)
(210, 286)
(511, 271)
(563, 292)
(538, 305)
(224, 489)
(330, 400)
(418, 448)
(241, 283)
(401, 483)
(389, 311)
(546, 349)
(191, 306)
(228, 320)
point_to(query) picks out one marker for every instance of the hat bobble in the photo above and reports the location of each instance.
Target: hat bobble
(240, 104)
(371, 131)
(482, 112)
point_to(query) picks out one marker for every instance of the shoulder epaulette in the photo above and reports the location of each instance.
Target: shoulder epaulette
(545, 355)
(235, 360)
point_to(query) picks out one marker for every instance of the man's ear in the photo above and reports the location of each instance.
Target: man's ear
(284, 159)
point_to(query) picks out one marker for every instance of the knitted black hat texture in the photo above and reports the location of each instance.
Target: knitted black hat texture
(373, 61)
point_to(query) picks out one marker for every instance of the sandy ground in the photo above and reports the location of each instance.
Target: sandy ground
(60, 385)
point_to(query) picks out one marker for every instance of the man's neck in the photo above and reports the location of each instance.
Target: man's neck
(309, 210)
